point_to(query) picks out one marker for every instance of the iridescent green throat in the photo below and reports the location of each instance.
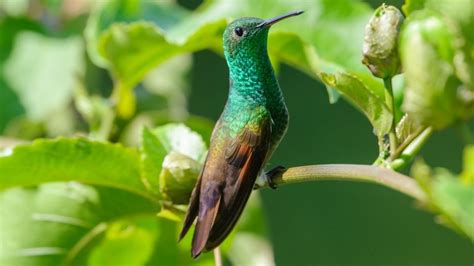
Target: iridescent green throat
(252, 80)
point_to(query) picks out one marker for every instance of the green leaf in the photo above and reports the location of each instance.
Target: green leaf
(130, 60)
(152, 155)
(110, 165)
(14, 7)
(406, 129)
(175, 87)
(162, 13)
(467, 174)
(460, 17)
(455, 200)
(364, 99)
(449, 196)
(132, 50)
(126, 242)
(180, 138)
(434, 95)
(412, 5)
(131, 135)
(52, 66)
(64, 222)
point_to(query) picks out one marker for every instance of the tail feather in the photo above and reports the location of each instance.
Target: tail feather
(238, 197)
(207, 217)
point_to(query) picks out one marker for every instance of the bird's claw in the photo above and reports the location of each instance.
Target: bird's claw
(270, 175)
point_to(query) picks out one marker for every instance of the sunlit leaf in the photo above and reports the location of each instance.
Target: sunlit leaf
(152, 155)
(43, 72)
(132, 133)
(180, 138)
(364, 99)
(163, 13)
(341, 22)
(126, 242)
(412, 5)
(14, 7)
(461, 19)
(171, 81)
(449, 196)
(434, 95)
(59, 223)
(407, 129)
(455, 200)
(110, 165)
(467, 174)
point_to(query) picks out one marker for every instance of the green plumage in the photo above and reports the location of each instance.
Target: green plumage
(253, 122)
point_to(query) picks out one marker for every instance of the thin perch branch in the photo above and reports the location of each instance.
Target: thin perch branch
(217, 256)
(352, 172)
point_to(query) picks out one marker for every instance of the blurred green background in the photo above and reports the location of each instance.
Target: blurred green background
(321, 223)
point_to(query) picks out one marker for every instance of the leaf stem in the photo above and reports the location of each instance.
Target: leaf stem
(352, 172)
(106, 125)
(407, 152)
(391, 106)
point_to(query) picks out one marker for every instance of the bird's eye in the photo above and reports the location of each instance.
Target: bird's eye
(239, 31)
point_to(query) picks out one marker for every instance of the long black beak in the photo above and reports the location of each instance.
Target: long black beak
(271, 21)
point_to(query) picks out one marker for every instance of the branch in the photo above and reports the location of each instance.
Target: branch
(217, 256)
(389, 100)
(351, 172)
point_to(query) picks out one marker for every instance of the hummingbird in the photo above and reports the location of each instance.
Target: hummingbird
(254, 120)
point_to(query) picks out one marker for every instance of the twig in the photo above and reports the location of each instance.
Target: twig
(352, 172)
(217, 256)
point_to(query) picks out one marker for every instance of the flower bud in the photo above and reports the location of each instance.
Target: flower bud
(178, 177)
(380, 42)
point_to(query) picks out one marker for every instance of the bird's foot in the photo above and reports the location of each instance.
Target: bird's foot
(270, 175)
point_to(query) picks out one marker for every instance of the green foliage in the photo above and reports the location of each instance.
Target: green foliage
(370, 104)
(59, 223)
(181, 152)
(450, 195)
(54, 65)
(427, 50)
(96, 163)
(90, 202)
(114, 221)
(114, 248)
(129, 60)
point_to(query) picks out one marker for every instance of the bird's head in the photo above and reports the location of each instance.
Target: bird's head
(246, 35)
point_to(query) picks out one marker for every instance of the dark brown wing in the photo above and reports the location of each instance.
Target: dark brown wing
(225, 184)
(193, 208)
(245, 158)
